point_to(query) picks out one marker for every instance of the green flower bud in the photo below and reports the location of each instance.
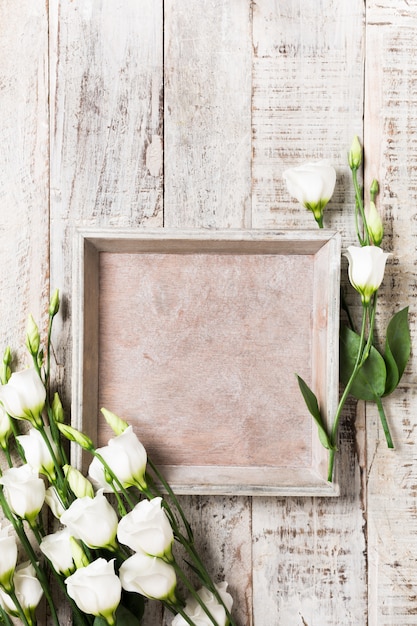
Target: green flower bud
(374, 223)
(32, 336)
(6, 371)
(117, 425)
(355, 154)
(79, 557)
(78, 483)
(57, 409)
(54, 304)
(75, 435)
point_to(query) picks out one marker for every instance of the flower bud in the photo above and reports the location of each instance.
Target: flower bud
(6, 371)
(78, 555)
(374, 189)
(54, 502)
(32, 336)
(5, 428)
(75, 435)
(374, 224)
(117, 425)
(355, 154)
(57, 409)
(37, 452)
(80, 486)
(54, 304)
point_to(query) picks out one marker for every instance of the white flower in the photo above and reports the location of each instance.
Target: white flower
(96, 589)
(8, 559)
(24, 395)
(197, 613)
(24, 491)
(125, 456)
(28, 591)
(37, 452)
(312, 184)
(147, 529)
(57, 548)
(93, 520)
(366, 269)
(148, 576)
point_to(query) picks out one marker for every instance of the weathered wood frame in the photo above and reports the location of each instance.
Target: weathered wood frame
(323, 246)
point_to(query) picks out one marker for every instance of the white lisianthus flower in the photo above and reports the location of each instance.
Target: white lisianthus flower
(93, 520)
(28, 591)
(197, 613)
(126, 457)
(57, 548)
(96, 589)
(147, 529)
(23, 396)
(5, 427)
(37, 452)
(312, 184)
(8, 559)
(24, 491)
(54, 502)
(149, 576)
(366, 269)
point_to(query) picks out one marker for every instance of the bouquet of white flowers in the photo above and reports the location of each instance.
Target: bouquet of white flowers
(105, 559)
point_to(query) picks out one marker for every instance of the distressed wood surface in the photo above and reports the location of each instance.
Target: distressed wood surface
(185, 115)
(391, 97)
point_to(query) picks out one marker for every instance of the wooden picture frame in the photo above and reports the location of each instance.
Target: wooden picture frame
(194, 337)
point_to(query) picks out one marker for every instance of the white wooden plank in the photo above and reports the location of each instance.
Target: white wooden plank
(308, 554)
(207, 113)
(307, 103)
(391, 125)
(24, 163)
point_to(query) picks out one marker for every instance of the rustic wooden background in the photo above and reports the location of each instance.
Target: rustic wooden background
(152, 113)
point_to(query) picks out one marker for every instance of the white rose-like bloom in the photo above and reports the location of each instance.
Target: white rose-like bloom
(96, 589)
(366, 269)
(93, 520)
(312, 184)
(24, 491)
(28, 590)
(24, 395)
(149, 576)
(57, 548)
(147, 529)
(197, 614)
(125, 456)
(8, 559)
(37, 453)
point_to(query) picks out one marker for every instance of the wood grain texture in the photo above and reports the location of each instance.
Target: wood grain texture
(391, 128)
(24, 170)
(202, 125)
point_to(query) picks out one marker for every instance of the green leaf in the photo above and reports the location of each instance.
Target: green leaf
(313, 407)
(370, 380)
(397, 349)
(133, 604)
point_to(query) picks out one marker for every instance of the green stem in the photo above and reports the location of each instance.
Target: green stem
(384, 422)
(5, 618)
(358, 362)
(114, 478)
(19, 608)
(193, 592)
(20, 531)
